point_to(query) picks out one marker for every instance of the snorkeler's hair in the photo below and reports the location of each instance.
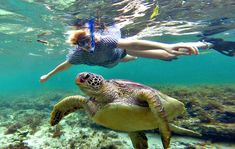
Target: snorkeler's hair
(74, 36)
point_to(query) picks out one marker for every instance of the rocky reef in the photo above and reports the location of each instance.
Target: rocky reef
(210, 109)
(24, 122)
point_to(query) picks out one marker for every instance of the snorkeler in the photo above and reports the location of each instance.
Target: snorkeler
(107, 50)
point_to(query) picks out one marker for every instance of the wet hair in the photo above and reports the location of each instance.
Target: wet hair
(78, 22)
(74, 36)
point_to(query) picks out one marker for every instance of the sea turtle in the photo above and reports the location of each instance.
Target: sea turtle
(125, 106)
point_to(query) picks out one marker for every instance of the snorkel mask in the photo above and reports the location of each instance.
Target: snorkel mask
(92, 29)
(88, 40)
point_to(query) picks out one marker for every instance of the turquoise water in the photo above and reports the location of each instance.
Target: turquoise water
(20, 69)
(23, 60)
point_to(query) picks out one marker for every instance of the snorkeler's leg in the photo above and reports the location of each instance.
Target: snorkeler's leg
(142, 45)
(154, 54)
(128, 58)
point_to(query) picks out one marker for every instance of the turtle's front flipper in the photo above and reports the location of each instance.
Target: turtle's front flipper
(139, 140)
(66, 106)
(156, 107)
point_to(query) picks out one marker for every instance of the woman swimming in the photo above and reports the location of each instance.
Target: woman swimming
(109, 49)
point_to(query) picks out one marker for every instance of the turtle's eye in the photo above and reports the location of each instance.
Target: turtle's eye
(81, 78)
(86, 76)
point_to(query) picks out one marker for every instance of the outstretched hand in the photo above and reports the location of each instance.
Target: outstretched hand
(182, 49)
(43, 78)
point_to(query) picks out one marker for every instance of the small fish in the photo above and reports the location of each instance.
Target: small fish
(155, 12)
(42, 41)
(32, 54)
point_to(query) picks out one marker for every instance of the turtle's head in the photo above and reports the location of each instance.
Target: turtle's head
(89, 82)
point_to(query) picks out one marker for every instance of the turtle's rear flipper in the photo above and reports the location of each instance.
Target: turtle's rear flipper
(224, 47)
(184, 131)
(139, 140)
(66, 106)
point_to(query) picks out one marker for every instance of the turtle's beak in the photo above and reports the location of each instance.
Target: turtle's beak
(82, 77)
(79, 80)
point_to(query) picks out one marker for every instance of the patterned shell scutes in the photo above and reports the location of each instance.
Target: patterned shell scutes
(128, 90)
(130, 84)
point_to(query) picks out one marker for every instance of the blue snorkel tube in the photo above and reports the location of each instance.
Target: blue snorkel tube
(91, 25)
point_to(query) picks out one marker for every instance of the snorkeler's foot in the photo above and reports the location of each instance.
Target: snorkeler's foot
(225, 47)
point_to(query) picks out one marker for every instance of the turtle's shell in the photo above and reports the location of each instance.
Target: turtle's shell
(126, 113)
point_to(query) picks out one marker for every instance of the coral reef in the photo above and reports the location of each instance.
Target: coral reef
(210, 109)
(57, 131)
(18, 146)
(12, 128)
(24, 122)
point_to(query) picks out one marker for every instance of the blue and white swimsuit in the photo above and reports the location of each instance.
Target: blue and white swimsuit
(106, 54)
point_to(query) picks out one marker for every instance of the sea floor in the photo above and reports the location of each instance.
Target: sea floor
(25, 122)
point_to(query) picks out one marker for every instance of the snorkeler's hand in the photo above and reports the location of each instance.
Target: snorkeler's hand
(43, 78)
(182, 49)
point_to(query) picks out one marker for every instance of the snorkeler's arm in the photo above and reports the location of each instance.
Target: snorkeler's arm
(60, 67)
(177, 49)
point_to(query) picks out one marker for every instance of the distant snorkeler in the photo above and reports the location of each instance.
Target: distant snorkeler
(99, 44)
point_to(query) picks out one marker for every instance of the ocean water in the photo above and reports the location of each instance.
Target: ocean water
(23, 60)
